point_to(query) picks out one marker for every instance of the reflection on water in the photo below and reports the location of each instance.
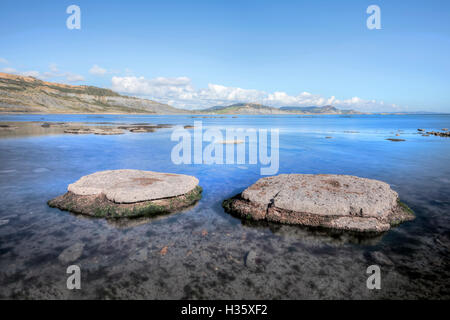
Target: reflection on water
(206, 253)
(317, 235)
(17, 129)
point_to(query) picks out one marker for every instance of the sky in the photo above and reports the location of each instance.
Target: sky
(197, 54)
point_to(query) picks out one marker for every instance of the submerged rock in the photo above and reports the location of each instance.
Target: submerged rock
(71, 253)
(331, 201)
(129, 193)
(395, 140)
(140, 256)
(250, 260)
(235, 141)
(141, 128)
(380, 258)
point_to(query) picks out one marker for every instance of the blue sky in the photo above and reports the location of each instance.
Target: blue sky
(202, 53)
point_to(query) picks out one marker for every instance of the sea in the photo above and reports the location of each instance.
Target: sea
(204, 252)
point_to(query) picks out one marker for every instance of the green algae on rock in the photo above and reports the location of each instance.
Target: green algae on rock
(331, 201)
(129, 194)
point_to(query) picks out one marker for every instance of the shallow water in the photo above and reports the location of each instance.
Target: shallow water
(207, 250)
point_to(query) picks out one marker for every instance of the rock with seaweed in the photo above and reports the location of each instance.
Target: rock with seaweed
(332, 201)
(129, 193)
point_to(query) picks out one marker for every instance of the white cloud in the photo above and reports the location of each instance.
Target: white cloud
(51, 74)
(56, 73)
(53, 68)
(9, 70)
(31, 73)
(179, 88)
(180, 92)
(223, 93)
(71, 77)
(3, 61)
(97, 71)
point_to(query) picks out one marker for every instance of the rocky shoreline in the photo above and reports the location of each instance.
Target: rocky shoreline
(445, 134)
(26, 128)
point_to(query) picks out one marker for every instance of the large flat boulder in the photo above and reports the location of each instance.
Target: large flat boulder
(129, 193)
(331, 201)
(130, 186)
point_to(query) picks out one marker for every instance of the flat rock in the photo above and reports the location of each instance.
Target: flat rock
(79, 130)
(130, 186)
(108, 131)
(332, 201)
(98, 131)
(129, 193)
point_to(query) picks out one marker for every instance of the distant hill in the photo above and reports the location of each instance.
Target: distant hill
(22, 94)
(242, 108)
(254, 108)
(28, 94)
(320, 110)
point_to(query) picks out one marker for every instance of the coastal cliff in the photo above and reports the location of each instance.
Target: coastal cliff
(19, 94)
(22, 94)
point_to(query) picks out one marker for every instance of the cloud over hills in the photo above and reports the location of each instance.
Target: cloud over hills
(52, 73)
(180, 92)
(97, 70)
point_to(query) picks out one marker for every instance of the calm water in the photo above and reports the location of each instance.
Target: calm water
(207, 248)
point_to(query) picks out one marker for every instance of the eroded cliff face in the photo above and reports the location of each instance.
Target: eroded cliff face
(28, 94)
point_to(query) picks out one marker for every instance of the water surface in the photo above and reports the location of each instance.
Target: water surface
(206, 249)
